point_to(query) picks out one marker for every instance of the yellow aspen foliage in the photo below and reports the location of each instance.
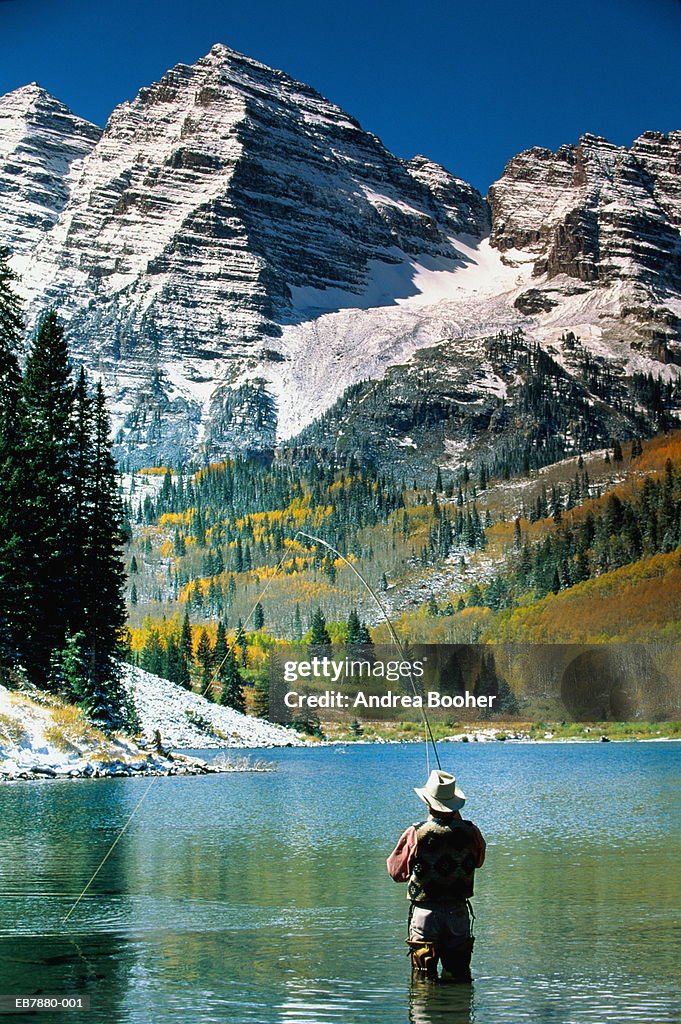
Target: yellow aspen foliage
(176, 518)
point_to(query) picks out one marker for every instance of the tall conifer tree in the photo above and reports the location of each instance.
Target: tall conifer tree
(13, 580)
(186, 653)
(81, 498)
(104, 577)
(231, 693)
(47, 424)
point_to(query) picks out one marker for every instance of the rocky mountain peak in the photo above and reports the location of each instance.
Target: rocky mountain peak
(594, 211)
(234, 250)
(42, 146)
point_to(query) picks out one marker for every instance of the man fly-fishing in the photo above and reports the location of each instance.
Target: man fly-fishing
(438, 858)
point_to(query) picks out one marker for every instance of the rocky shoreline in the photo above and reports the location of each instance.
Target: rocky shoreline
(174, 765)
(43, 737)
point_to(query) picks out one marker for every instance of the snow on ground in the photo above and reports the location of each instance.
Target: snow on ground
(41, 736)
(187, 720)
(454, 452)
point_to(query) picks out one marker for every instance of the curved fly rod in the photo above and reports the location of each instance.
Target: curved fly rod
(429, 734)
(317, 540)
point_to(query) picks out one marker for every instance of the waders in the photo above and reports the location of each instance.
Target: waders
(455, 957)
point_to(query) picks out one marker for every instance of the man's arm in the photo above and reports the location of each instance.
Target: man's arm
(480, 845)
(400, 861)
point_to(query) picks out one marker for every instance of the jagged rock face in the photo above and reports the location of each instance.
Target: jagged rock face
(233, 251)
(42, 147)
(217, 191)
(466, 212)
(209, 209)
(594, 211)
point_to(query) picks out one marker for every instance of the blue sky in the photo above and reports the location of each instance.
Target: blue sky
(467, 84)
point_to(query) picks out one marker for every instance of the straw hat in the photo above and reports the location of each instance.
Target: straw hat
(441, 792)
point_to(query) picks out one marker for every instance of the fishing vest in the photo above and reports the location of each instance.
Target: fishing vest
(444, 863)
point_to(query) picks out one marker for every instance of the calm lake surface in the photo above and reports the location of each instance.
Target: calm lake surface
(264, 897)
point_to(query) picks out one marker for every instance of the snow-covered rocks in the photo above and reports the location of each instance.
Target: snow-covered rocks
(187, 720)
(41, 737)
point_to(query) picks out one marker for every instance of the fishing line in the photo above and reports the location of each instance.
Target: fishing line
(209, 684)
(214, 675)
(112, 847)
(429, 734)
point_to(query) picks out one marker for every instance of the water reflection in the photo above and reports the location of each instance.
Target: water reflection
(264, 899)
(440, 1003)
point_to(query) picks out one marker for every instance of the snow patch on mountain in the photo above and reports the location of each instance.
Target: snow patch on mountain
(326, 354)
(234, 250)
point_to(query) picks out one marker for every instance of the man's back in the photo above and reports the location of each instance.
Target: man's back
(447, 854)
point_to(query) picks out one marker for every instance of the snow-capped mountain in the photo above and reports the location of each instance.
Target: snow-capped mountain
(601, 215)
(42, 148)
(233, 251)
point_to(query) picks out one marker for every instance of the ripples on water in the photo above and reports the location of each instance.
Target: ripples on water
(265, 899)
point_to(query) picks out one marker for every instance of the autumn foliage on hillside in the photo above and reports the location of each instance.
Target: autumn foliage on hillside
(636, 603)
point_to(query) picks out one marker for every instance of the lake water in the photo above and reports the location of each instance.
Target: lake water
(264, 897)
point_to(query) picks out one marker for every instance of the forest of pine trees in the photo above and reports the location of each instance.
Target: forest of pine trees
(213, 528)
(620, 530)
(61, 576)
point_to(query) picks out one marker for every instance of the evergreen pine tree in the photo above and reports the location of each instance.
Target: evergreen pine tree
(173, 660)
(231, 693)
(204, 661)
(221, 648)
(47, 425)
(14, 582)
(152, 657)
(258, 616)
(68, 674)
(261, 697)
(186, 653)
(354, 627)
(103, 582)
(365, 637)
(81, 499)
(320, 640)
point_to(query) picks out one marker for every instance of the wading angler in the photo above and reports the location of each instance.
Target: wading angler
(438, 859)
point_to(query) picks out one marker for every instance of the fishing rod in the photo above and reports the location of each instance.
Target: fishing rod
(429, 733)
(430, 739)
